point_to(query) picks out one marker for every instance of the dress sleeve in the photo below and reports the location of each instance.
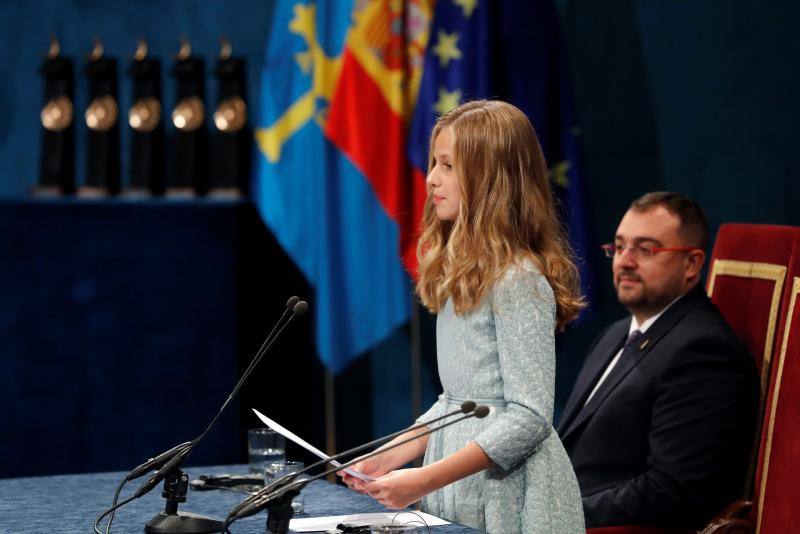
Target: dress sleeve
(523, 308)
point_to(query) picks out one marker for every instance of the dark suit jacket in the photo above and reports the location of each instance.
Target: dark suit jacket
(666, 439)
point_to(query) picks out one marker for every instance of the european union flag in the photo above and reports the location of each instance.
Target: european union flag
(509, 50)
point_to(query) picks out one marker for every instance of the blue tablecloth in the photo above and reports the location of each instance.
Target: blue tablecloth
(71, 503)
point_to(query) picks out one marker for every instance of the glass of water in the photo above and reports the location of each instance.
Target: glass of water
(265, 446)
(274, 471)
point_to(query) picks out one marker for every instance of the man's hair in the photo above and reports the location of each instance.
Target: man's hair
(694, 223)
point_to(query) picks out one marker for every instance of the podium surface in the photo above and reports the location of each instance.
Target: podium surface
(71, 503)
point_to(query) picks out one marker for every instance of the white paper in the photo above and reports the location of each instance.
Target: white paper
(288, 434)
(318, 524)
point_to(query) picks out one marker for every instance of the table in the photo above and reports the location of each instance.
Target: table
(71, 503)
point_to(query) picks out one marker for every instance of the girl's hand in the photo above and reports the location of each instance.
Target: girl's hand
(371, 467)
(398, 489)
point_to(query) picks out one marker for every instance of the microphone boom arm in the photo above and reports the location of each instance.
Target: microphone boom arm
(466, 407)
(256, 503)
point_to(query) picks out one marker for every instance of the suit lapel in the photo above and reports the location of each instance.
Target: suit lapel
(594, 366)
(664, 324)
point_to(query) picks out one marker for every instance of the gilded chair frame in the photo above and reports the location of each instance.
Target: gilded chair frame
(764, 271)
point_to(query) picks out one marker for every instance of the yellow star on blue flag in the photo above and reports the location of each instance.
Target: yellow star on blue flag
(447, 100)
(467, 5)
(446, 48)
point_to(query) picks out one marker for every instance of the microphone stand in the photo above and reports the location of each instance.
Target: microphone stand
(279, 502)
(176, 485)
(176, 482)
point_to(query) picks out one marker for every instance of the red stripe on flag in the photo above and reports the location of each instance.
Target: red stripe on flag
(363, 126)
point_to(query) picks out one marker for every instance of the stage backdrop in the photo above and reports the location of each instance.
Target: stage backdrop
(698, 97)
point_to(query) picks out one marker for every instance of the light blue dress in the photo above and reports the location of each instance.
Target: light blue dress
(503, 354)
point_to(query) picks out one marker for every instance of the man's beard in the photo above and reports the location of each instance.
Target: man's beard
(641, 300)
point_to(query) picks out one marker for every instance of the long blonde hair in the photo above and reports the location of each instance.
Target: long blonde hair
(506, 214)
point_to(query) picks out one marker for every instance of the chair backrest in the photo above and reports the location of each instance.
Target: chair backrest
(754, 279)
(746, 279)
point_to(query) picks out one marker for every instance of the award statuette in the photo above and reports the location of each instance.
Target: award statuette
(57, 163)
(190, 162)
(102, 177)
(231, 137)
(144, 118)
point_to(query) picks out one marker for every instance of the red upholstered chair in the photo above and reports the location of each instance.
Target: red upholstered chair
(777, 476)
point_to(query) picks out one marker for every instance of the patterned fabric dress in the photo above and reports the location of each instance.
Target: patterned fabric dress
(503, 354)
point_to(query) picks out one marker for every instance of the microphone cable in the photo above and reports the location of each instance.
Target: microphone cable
(114, 511)
(111, 510)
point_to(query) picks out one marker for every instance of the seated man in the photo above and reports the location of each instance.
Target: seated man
(660, 423)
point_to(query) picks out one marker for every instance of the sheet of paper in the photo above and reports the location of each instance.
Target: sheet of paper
(288, 434)
(322, 524)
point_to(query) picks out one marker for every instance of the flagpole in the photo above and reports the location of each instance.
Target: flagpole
(416, 362)
(330, 417)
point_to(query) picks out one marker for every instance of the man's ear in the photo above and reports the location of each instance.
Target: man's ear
(695, 260)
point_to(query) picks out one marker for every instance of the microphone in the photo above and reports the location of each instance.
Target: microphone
(155, 463)
(254, 504)
(159, 475)
(167, 462)
(466, 407)
(158, 461)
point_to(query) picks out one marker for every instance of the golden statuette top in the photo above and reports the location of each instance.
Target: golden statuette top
(97, 50)
(186, 49)
(55, 47)
(225, 50)
(141, 50)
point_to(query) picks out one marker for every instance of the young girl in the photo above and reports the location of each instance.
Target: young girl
(495, 266)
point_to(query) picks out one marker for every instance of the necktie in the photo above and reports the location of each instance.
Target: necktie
(630, 344)
(633, 339)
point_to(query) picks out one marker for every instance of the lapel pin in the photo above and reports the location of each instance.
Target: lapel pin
(644, 344)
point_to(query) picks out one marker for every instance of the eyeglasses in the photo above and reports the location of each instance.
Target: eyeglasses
(641, 251)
